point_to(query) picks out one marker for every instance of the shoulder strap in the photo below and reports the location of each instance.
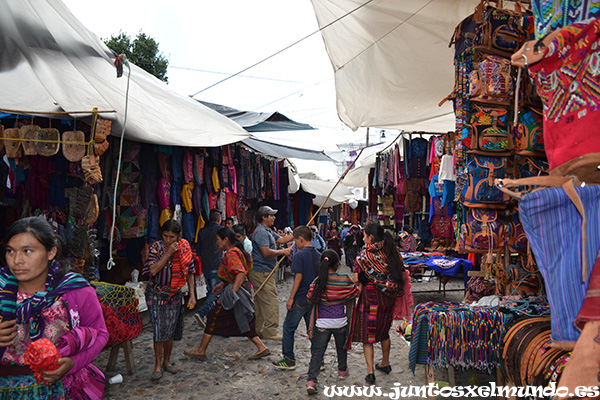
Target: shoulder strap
(568, 185)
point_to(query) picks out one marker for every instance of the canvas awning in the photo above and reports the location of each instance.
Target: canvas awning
(50, 62)
(254, 121)
(281, 151)
(321, 189)
(391, 60)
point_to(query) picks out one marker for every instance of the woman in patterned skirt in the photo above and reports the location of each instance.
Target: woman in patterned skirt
(233, 315)
(170, 266)
(384, 282)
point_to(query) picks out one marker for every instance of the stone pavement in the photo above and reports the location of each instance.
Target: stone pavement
(229, 374)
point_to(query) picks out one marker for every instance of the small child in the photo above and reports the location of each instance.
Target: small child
(333, 295)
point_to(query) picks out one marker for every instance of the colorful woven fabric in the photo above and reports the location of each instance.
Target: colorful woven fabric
(373, 316)
(372, 260)
(166, 313)
(88, 381)
(31, 308)
(339, 289)
(26, 387)
(233, 263)
(553, 14)
(222, 322)
(568, 83)
(181, 262)
(457, 335)
(554, 227)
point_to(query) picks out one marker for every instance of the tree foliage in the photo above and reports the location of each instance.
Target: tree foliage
(142, 51)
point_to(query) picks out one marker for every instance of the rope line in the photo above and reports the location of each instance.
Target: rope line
(111, 262)
(45, 141)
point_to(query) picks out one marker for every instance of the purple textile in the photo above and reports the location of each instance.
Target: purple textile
(85, 311)
(88, 382)
(331, 312)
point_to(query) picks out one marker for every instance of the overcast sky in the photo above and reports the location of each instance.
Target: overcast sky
(205, 40)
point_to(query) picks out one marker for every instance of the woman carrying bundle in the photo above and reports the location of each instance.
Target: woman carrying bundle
(385, 295)
(233, 315)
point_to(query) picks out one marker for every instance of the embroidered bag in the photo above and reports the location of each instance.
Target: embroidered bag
(489, 132)
(528, 133)
(482, 232)
(464, 34)
(490, 80)
(568, 81)
(500, 32)
(517, 240)
(480, 190)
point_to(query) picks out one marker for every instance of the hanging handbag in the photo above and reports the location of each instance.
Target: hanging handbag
(489, 132)
(500, 32)
(482, 232)
(480, 190)
(490, 81)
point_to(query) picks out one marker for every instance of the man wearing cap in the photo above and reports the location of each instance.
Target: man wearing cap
(264, 255)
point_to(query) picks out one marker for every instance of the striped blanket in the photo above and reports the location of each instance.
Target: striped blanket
(338, 290)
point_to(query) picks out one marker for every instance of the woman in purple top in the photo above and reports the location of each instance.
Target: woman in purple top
(39, 299)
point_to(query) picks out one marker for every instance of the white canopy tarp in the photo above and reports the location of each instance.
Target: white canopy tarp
(50, 62)
(391, 60)
(321, 189)
(358, 176)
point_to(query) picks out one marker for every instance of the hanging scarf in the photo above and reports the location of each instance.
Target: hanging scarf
(339, 289)
(180, 267)
(30, 309)
(373, 262)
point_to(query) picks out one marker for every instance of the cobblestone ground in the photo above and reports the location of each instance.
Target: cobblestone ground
(228, 374)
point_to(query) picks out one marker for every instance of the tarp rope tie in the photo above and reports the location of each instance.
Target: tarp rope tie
(110, 262)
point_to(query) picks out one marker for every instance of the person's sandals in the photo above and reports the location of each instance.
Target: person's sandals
(170, 369)
(285, 363)
(387, 369)
(156, 375)
(311, 387)
(370, 379)
(260, 354)
(193, 354)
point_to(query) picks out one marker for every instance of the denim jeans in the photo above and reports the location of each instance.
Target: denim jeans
(212, 279)
(319, 345)
(292, 320)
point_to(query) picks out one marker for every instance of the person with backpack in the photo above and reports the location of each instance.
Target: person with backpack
(318, 242)
(332, 295)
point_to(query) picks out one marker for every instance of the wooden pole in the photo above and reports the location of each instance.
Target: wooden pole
(311, 220)
(25, 112)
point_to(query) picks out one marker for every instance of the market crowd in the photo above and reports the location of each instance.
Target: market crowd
(47, 345)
